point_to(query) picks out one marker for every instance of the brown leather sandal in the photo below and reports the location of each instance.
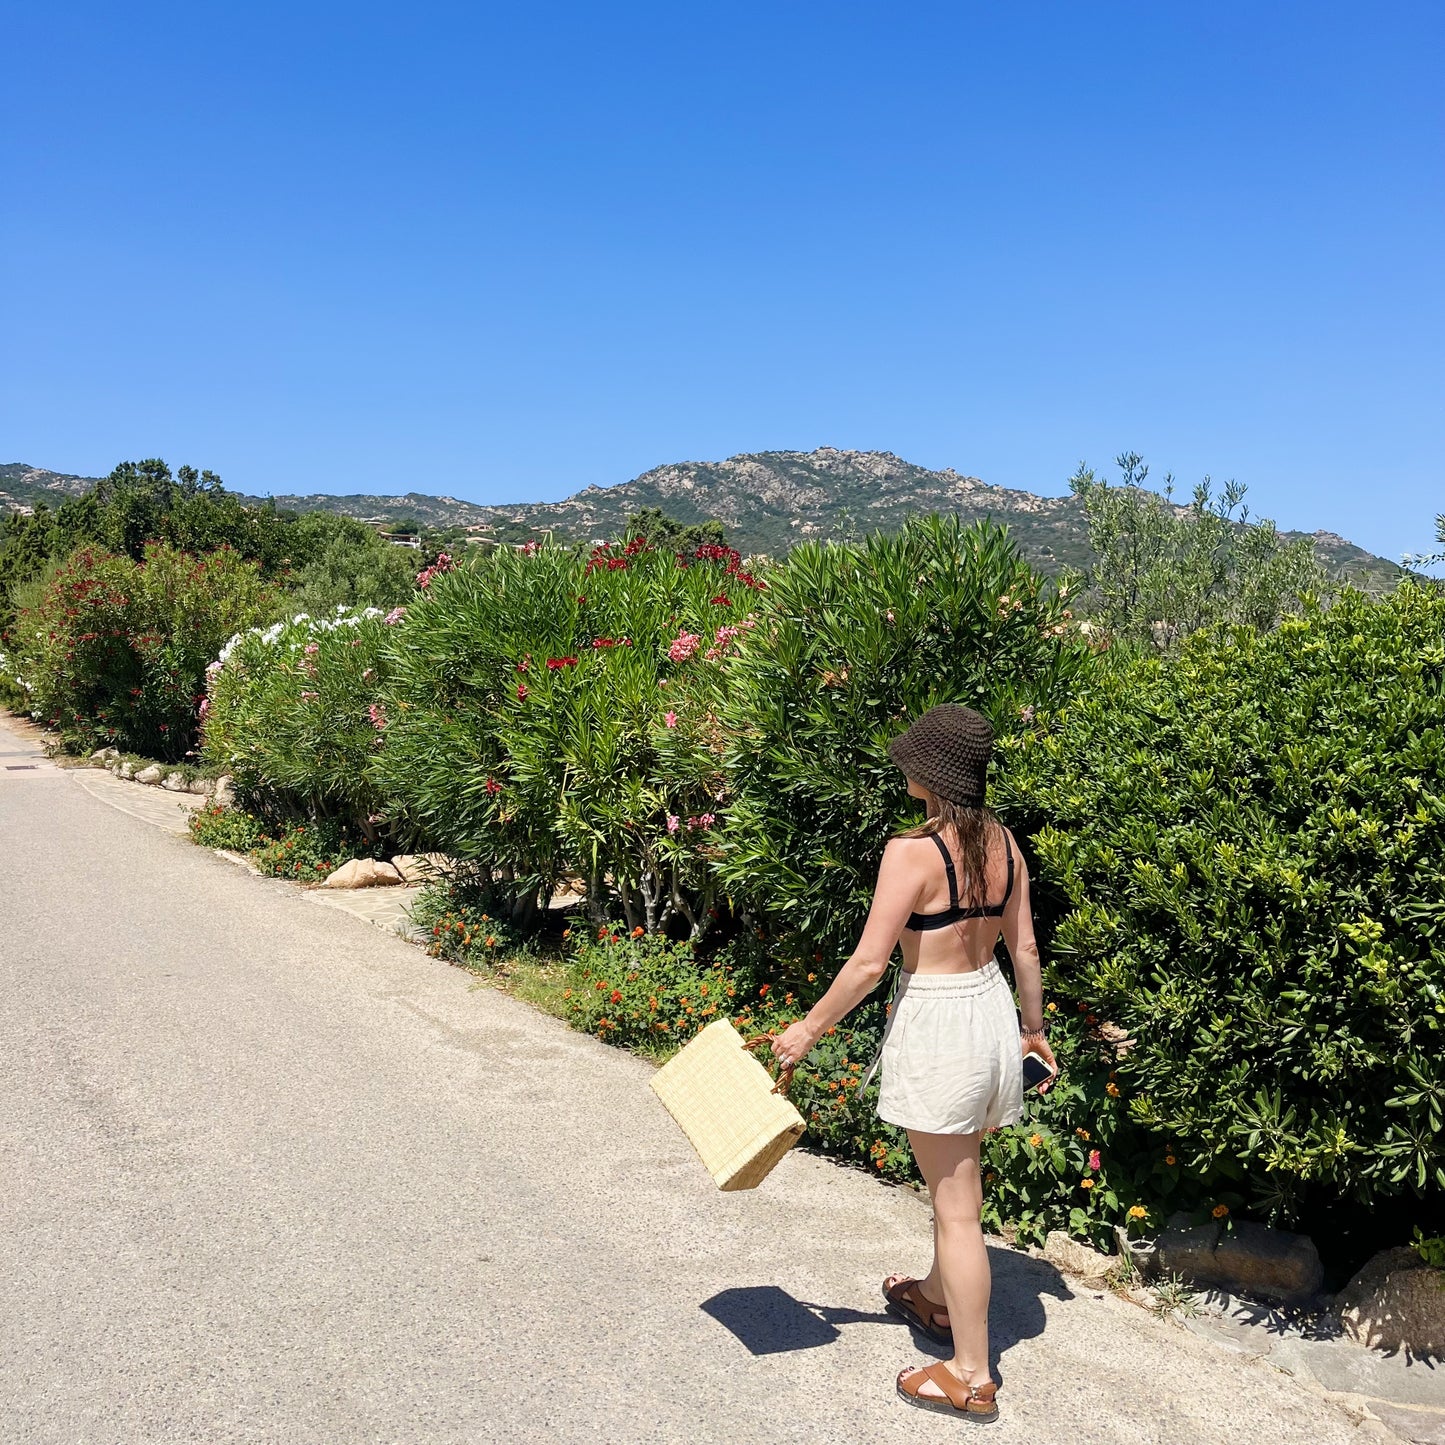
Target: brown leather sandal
(908, 1302)
(968, 1402)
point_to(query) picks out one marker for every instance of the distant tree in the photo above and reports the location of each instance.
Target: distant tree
(1162, 571)
(27, 544)
(1435, 559)
(339, 561)
(142, 501)
(404, 527)
(668, 534)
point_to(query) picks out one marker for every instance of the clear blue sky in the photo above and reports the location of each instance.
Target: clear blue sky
(503, 252)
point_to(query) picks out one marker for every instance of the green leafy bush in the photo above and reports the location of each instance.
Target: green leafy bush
(292, 712)
(116, 651)
(310, 852)
(339, 563)
(233, 829)
(1238, 857)
(851, 643)
(640, 989)
(463, 924)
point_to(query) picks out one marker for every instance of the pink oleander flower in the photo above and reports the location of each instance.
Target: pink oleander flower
(205, 708)
(212, 668)
(493, 786)
(684, 645)
(394, 616)
(307, 696)
(442, 564)
(521, 692)
(377, 714)
(529, 549)
(669, 719)
(312, 647)
(1093, 1159)
(703, 820)
(673, 822)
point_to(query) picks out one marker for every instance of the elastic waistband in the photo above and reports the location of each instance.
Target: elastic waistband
(950, 985)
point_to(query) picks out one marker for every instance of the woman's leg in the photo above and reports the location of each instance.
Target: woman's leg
(949, 1163)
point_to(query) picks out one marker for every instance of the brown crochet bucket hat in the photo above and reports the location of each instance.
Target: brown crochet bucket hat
(947, 750)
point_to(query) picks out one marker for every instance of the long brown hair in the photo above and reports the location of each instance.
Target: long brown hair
(971, 829)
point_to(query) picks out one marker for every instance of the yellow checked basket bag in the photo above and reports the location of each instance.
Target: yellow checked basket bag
(739, 1121)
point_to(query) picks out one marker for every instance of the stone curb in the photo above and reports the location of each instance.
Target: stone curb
(240, 860)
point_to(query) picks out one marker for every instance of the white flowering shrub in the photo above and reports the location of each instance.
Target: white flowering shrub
(292, 712)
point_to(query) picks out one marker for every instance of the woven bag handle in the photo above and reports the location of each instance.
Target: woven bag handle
(785, 1078)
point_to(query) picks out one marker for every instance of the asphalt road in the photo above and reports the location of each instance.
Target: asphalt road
(268, 1174)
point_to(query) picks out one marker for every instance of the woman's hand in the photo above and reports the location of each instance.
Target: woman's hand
(1038, 1044)
(794, 1043)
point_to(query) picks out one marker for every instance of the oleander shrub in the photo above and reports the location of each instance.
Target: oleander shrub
(853, 642)
(292, 712)
(115, 652)
(1237, 853)
(552, 714)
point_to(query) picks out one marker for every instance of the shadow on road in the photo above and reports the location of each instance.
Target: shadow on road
(769, 1321)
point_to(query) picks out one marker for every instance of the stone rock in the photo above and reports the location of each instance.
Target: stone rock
(1249, 1259)
(225, 793)
(1074, 1257)
(363, 873)
(420, 867)
(152, 774)
(1396, 1302)
(104, 755)
(204, 786)
(1142, 1251)
(174, 782)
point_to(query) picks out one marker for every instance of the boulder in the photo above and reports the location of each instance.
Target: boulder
(174, 782)
(1396, 1302)
(225, 793)
(363, 873)
(1248, 1259)
(126, 770)
(1074, 1257)
(104, 755)
(152, 774)
(203, 786)
(420, 867)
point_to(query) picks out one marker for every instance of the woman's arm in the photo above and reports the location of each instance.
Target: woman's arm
(1023, 948)
(893, 900)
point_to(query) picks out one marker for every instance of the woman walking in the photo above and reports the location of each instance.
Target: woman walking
(953, 1048)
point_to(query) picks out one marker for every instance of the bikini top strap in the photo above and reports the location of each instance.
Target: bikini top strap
(1008, 890)
(948, 868)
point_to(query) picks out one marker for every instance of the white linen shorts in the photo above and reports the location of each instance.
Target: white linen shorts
(952, 1062)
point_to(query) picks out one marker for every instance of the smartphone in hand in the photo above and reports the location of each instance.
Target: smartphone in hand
(1037, 1070)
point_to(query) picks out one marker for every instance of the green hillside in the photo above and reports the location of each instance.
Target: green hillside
(768, 501)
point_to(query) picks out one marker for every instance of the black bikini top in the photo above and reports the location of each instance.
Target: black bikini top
(923, 922)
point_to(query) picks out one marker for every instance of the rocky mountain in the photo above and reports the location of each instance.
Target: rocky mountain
(768, 501)
(22, 486)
